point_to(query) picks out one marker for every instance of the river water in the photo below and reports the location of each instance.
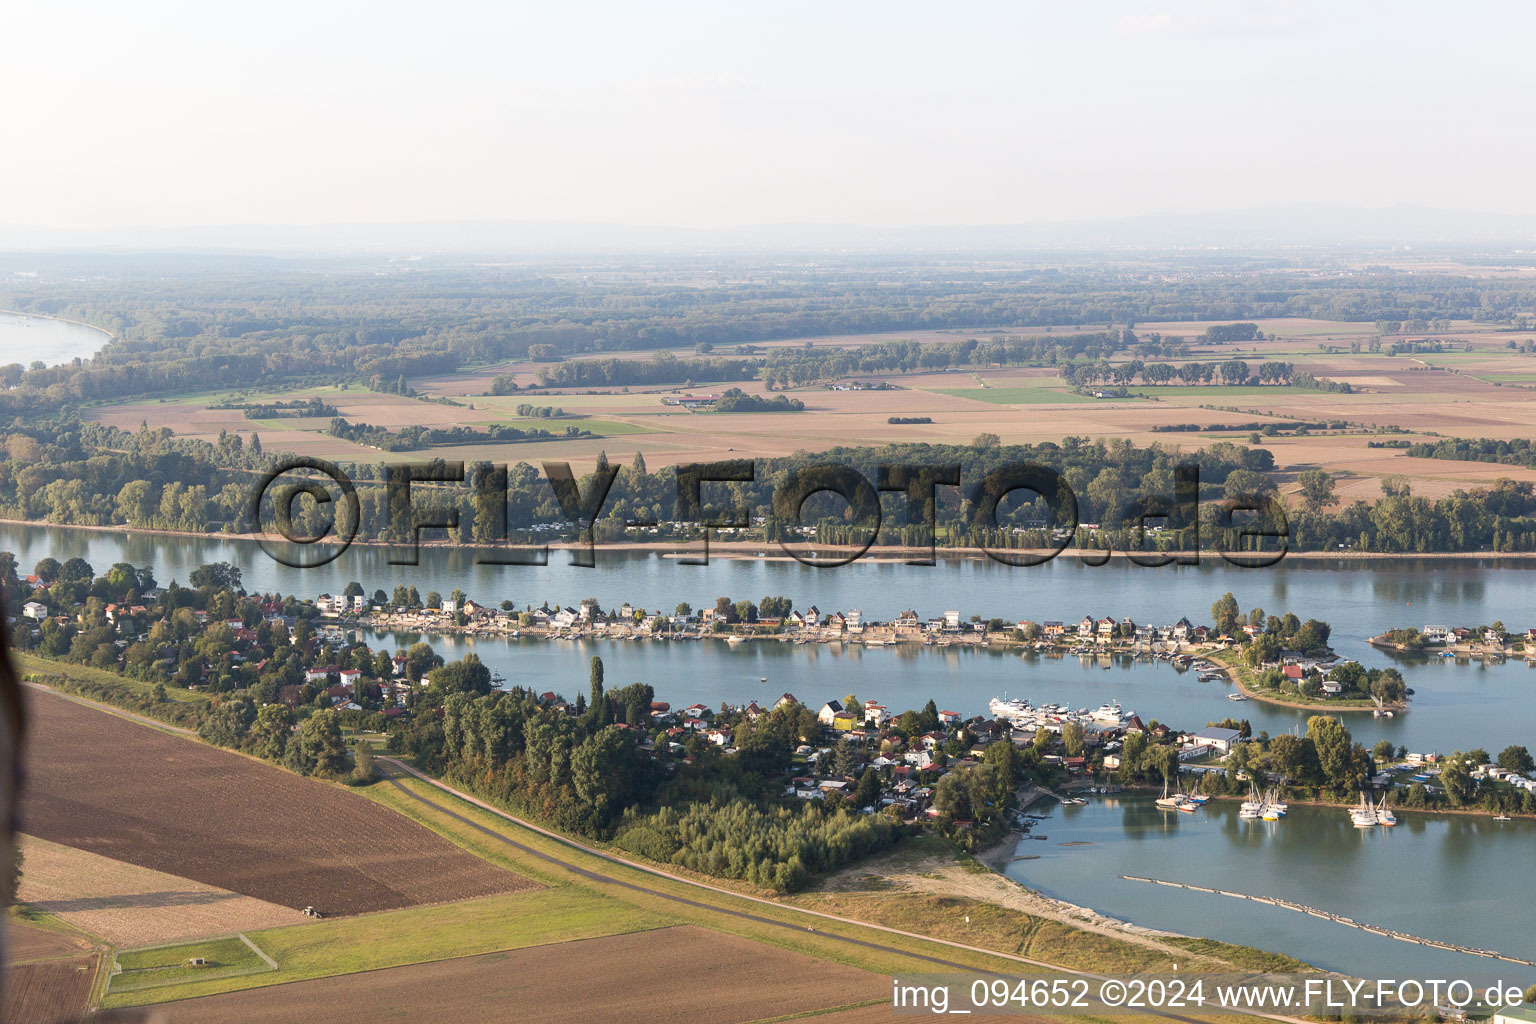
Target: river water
(24, 339)
(1455, 879)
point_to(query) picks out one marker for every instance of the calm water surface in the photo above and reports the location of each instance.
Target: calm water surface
(1458, 879)
(24, 339)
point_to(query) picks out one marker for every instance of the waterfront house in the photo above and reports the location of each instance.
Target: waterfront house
(836, 622)
(1292, 672)
(1435, 634)
(1053, 627)
(907, 620)
(949, 717)
(1085, 627)
(1219, 739)
(1332, 688)
(813, 616)
(830, 710)
(1106, 627)
(787, 698)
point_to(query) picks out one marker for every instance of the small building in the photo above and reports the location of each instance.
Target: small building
(35, 610)
(1218, 739)
(829, 711)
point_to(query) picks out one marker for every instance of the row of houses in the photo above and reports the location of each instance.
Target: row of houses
(1438, 634)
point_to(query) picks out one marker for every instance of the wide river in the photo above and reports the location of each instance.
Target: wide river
(25, 339)
(1454, 879)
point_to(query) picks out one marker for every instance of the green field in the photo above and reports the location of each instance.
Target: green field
(84, 674)
(395, 938)
(164, 967)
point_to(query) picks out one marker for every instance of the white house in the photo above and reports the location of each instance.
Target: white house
(830, 710)
(450, 606)
(1220, 740)
(1435, 633)
(35, 610)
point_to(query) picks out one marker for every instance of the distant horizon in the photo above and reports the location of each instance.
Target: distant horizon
(1258, 227)
(703, 116)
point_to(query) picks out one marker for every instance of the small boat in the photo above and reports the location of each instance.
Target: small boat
(1384, 815)
(1502, 817)
(1166, 802)
(1363, 816)
(1237, 696)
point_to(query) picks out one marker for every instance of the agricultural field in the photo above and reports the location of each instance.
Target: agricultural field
(101, 784)
(674, 974)
(128, 905)
(1487, 391)
(49, 991)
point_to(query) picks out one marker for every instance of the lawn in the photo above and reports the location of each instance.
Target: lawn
(398, 937)
(32, 663)
(166, 966)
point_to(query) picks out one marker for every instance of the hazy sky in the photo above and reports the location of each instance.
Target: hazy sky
(718, 114)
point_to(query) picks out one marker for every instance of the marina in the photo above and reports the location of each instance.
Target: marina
(1408, 879)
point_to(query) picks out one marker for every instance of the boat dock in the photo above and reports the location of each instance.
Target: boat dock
(1339, 919)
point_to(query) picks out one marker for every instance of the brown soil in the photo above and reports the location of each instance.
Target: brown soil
(24, 943)
(49, 991)
(674, 974)
(130, 905)
(102, 784)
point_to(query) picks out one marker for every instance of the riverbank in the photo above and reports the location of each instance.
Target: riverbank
(762, 550)
(61, 320)
(1235, 675)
